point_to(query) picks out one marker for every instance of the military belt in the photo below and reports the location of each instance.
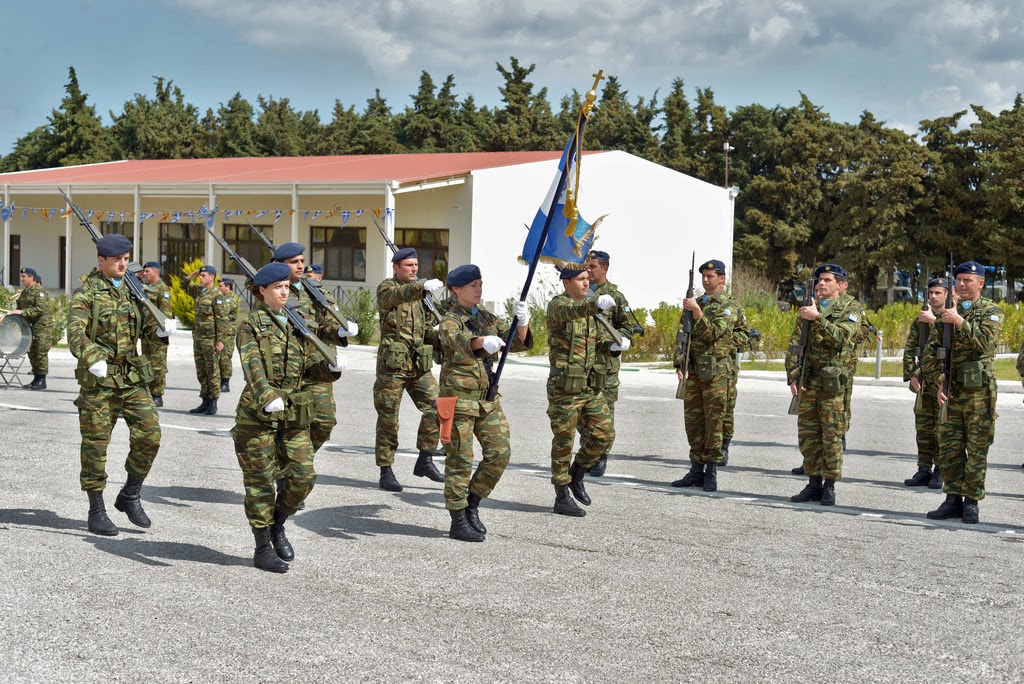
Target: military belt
(472, 395)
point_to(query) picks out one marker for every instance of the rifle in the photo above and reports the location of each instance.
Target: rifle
(428, 299)
(135, 286)
(944, 354)
(319, 300)
(296, 320)
(683, 336)
(801, 349)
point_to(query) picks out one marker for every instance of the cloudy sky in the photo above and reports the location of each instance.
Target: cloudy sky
(904, 61)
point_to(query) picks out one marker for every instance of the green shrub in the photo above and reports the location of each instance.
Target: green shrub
(60, 307)
(360, 307)
(183, 304)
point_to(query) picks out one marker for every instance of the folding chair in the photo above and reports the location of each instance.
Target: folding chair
(15, 340)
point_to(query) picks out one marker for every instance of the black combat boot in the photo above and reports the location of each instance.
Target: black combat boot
(935, 482)
(202, 407)
(388, 481)
(799, 470)
(462, 530)
(32, 385)
(828, 493)
(970, 511)
(225, 387)
(211, 408)
(425, 468)
(265, 558)
(158, 400)
(565, 505)
(920, 478)
(473, 514)
(952, 507)
(694, 478)
(711, 478)
(577, 474)
(597, 470)
(38, 383)
(99, 523)
(129, 502)
(812, 492)
(725, 452)
(278, 540)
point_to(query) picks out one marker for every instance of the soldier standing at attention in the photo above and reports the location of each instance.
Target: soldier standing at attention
(160, 295)
(405, 358)
(618, 315)
(708, 372)
(926, 408)
(34, 306)
(740, 341)
(273, 418)
(316, 272)
(574, 387)
(470, 338)
(104, 327)
(967, 433)
(822, 416)
(229, 308)
(208, 334)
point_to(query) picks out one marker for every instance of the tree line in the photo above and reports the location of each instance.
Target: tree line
(876, 199)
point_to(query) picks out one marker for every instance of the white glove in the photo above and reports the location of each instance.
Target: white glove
(605, 302)
(342, 365)
(170, 327)
(624, 347)
(433, 285)
(493, 343)
(353, 330)
(522, 312)
(99, 369)
(276, 405)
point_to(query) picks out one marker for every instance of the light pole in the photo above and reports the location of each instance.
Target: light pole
(727, 148)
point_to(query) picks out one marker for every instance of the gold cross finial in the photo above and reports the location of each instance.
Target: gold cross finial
(591, 96)
(598, 77)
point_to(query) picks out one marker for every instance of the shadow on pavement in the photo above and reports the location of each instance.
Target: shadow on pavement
(173, 496)
(350, 522)
(37, 517)
(158, 553)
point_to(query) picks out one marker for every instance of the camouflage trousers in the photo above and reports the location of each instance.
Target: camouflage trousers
(926, 416)
(848, 398)
(387, 399)
(705, 405)
(39, 351)
(964, 440)
(730, 408)
(224, 362)
(819, 432)
(611, 395)
(266, 453)
(490, 427)
(565, 411)
(98, 410)
(325, 414)
(157, 353)
(207, 368)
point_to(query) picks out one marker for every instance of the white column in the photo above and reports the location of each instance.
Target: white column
(136, 230)
(7, 239)
(389, 227)
(295, 215)
(68, 248)
(211, 246)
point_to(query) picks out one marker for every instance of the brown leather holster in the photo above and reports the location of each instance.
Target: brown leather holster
(446, 416)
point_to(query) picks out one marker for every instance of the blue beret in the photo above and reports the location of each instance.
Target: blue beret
(113, 245)
(938, 282)
(230, 283)
(972, 267)
(463, 275)
(834, 269)
(598, 254)
(31, 272)
(403, 254)
(151, 264)
(208, 269)
(315, 268)
(273, 272)
(287, 251)
(569, 272)
(713, 265)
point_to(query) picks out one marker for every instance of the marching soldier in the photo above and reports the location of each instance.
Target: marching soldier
(405, 358)
(470, 338)
(104, 327)
(926, 408)
(822, 418)
(208, 334)
(574, 387)
(618, 315)
(34, 306)
(156, 351)
(708, 375)
(272, 422)
(969, 393)
(230, 307)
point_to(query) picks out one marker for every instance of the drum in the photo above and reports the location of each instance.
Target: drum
(15, 336)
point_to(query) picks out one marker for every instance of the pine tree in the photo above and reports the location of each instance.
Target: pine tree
(77, 135)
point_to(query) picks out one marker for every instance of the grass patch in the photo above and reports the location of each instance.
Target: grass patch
(1006, 369)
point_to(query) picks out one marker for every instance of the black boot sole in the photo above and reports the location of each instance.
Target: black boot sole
(105, 533)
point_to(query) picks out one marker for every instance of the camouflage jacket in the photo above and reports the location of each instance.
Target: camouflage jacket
(831, 335)
(465, 373)
(325, 325)
(715, 331)
(574, 336)
(232, 303)
(740, 331)
(104, 324)
(618, 316)
(211, 324)
(160, 295)
(911, 362)
(276, 363)
(976, 340)
(863, 332)
(405, 324)
(34, 303)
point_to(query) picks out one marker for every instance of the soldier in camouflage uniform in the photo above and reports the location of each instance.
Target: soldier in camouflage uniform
(34, 306)
(1020, 369)
(822, 418)
(470, 339)
(740, 341)
(208, 335)
(272, 422)
(104, 327)
(926, 408)
(404, 363)
(160, 295)
(618, 316)
(967, 433)
(708, 373)
(576, 342)
(232, 303)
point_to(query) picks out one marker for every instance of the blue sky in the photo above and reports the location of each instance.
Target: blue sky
(904, 61)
